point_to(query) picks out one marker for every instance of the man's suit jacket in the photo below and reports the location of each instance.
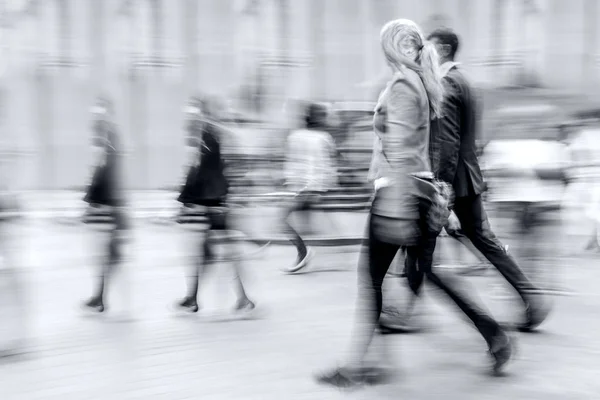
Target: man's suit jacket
(454, 150)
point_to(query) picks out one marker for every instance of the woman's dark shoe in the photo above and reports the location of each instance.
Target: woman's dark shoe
(302, 261)
(341, 378)
(188, 304)
(346, 378)
(245, 307)
(95, 304)
(501, 352)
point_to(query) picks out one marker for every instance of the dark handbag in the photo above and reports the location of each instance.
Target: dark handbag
(438, 197)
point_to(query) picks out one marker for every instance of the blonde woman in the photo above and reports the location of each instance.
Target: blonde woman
(404, 196)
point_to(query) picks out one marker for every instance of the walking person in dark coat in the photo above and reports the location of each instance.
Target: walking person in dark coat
(106, 192)
(207, 187)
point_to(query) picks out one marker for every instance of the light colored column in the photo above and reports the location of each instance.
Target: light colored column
(4, 63)
(596, 52)
(239, 46)
(247, 37)
(590, 53)
(190, 35)
(318, 83)
(65, 27)
(466, 19)
(283, 11)
(533, 38)
(5, 34)
(44, 28)
(97, 44)
(498, 39)
(6, 137)
(368, 63)
(157, 29)
(139, 37)
(157, 34)
(514, 35)
(141, 29)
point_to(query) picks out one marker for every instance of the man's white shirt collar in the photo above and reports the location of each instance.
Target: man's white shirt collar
(447, 66)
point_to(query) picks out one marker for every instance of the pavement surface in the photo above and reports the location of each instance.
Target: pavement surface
(304, 326)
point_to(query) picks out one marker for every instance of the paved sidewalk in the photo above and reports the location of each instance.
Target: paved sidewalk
(66, 200)
(305, 327)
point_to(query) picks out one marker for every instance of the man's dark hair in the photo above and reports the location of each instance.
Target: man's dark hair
(446, 36)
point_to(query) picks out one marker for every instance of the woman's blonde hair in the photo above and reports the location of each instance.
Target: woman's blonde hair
(403, 43)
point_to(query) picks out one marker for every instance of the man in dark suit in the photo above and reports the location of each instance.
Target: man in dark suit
(455, 161)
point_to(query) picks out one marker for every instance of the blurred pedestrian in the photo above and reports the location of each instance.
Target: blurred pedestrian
(407, 210)
(338, 126)
(527, 184)
(105, 194)
(310, 173)
(457, 164)
(205, 192)
(13, 302)
(583, 192)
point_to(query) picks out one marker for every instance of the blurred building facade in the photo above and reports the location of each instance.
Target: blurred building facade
(150, 55)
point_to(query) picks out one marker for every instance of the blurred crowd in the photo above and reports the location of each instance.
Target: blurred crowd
(416, 161)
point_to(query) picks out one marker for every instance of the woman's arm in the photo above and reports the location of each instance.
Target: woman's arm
(375, 160)
(403, 120)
